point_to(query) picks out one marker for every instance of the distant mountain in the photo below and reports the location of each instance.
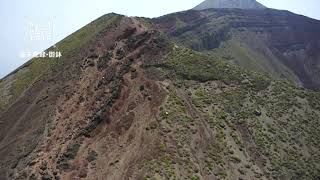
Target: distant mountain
(280, 43)
(239, 4)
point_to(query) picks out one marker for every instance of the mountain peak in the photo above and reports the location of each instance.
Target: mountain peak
(239, 4)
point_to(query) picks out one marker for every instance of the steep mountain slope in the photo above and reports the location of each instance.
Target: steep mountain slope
(126, 102)
(276, 42)
(239, 4)
(14, 84)
(29, 94)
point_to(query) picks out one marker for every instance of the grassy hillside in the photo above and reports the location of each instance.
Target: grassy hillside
(257, 127)
(13, 85)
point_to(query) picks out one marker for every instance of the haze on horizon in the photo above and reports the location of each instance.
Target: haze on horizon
(65, 17)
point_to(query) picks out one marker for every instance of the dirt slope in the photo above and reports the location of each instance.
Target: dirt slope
(55, 116)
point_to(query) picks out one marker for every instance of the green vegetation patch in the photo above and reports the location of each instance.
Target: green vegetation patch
(196, 66)
(84, 35)
(23, 79)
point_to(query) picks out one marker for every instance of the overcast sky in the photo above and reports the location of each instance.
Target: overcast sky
(59, 18)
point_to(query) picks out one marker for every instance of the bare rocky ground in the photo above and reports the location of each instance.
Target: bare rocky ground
(98, 114)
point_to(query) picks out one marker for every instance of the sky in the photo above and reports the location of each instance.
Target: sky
(32, 26)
